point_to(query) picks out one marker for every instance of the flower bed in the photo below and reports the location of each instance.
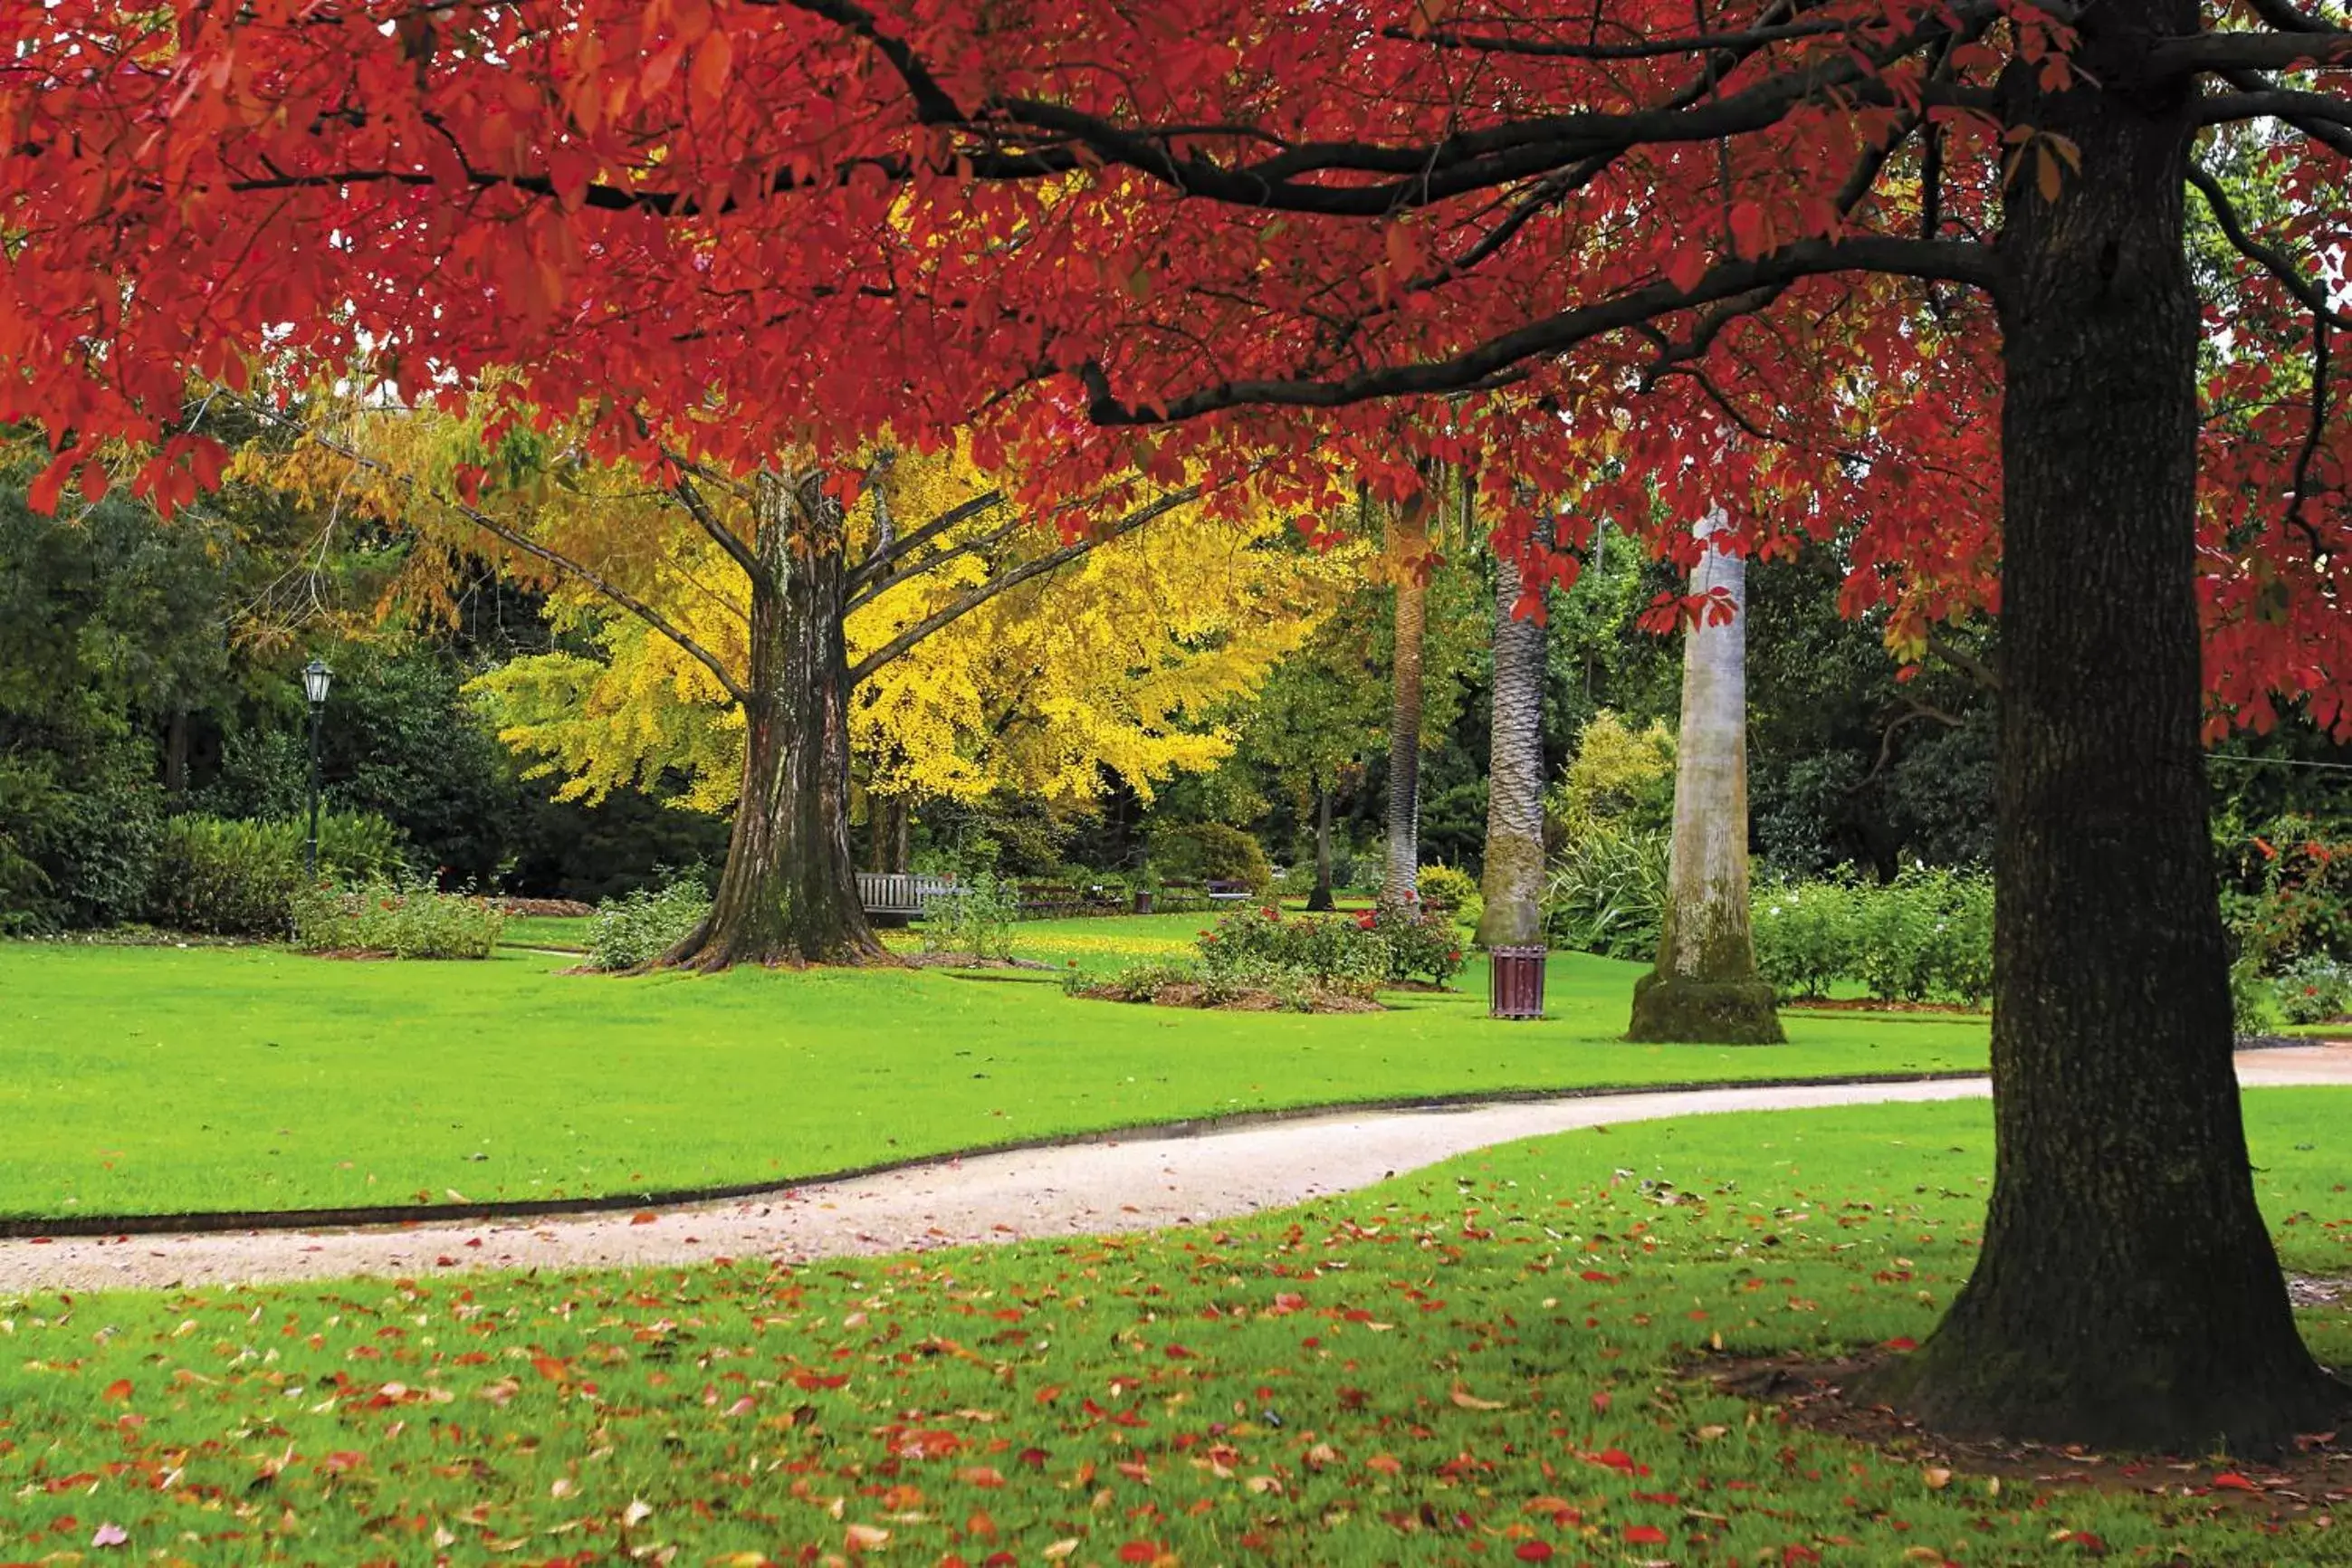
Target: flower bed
(1261, 960)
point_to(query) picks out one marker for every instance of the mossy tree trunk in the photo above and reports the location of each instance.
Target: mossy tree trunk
(1512, 886)
(789, 891)
(1705, 989)
(2126, 1293)
(1408, 553)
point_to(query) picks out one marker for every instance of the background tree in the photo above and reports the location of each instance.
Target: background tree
(1704, 987)
(1512, 886)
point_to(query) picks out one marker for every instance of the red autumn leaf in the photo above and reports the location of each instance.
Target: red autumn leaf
(554, 1368)
(2231, 1480)
(1533, 1551)
(1645, 1535)
(118, 1391)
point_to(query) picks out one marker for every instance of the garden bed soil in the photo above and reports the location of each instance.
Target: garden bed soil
(543, 909)
(2312, 1485)
(1197, 996)
(971, 961)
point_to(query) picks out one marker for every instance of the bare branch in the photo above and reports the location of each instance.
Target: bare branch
(2269, 258)
(964, 604)
(2311, 438)
(1966, 662)
(1647, 48)
(1947, 260)
(880, 563)
(2255, 51)
(696, 507)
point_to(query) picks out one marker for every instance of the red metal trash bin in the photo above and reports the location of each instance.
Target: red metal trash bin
(1516, 980)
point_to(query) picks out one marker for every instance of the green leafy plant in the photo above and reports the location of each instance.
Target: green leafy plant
(385, 917)
(1336, 949)
(2315, 989)
(233, 878)
(1607, 893)
(1421, 943)
(1211, 852)
(633, 929)
(976, 919)
(1926, 936)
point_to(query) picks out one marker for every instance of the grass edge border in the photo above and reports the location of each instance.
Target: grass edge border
(371, 1217)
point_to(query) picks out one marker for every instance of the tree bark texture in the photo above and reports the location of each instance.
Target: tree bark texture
(1704, 988)
(1409, 547)
(1513, 884)
(2126, 1293)
(789, 892)
(1320, 899)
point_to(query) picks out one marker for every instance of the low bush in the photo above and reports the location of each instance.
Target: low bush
(1196, 983)
(633, 929)
(1339, 949)
(385, 917)
(1607, 893)
(228, 876)
(1455, 890)
(977, 917)
(1926, 936)
(2315, 989)
(1421, 943)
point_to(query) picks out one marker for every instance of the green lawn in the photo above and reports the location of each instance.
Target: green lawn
(1481, 1362)
(147, 1079)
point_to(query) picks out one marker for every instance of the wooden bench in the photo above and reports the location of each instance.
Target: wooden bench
(898, 898)
(1049, 900)
(1228, 892)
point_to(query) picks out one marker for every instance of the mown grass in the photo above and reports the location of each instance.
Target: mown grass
(167, 1080)
(1486, 1361)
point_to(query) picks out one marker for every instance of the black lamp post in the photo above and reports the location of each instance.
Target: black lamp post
(316, 679)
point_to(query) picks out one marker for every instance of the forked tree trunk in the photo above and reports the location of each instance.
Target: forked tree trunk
(2127, 1292)
(1320, 899)
(1409, 547)
(1512, 886)
(789, 892)
(1704, 988)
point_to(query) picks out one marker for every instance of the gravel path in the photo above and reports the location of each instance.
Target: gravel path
(1109, 1185)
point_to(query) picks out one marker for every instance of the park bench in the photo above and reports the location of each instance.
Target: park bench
(1227, 892)
(896, 896)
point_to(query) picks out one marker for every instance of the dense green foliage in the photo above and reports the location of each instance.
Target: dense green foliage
(129, 1077)
(1607, 893)
(1211, 851)
(232, 878)
(976, 919)
(394, 919)
(1926, 936)
(1510, 1350)
(631, 930)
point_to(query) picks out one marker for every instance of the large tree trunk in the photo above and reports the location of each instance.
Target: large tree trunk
(2127, 1292)
(1408, 550)
(1705, 989)
(1513, 884)
(1320, 899)
(789, 893)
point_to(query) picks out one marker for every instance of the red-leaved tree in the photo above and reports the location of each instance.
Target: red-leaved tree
(1925, 273)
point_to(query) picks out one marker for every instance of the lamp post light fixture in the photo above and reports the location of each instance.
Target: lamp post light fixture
(316, 679)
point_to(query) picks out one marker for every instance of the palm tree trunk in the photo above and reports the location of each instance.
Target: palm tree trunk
(1513, 882)
(1705, 989)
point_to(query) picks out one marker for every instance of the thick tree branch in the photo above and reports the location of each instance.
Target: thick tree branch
(490, 525)
(1966, 662)
(930, 564)
(2269, 258)
(970, 600)
(1945, 260)
(690, 496)
(880, 561)
(2311, 439)
(2250, 51)
(1644, 49)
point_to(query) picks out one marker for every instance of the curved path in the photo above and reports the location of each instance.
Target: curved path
(1107, 1185)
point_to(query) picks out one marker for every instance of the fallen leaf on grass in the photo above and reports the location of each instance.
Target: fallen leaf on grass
(1469, 1401)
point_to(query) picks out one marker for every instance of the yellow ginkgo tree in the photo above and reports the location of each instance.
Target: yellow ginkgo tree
(752, 631)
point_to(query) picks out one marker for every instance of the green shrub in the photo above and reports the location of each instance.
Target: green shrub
(1451, 886)
(231, 878)
(1211, 852)
(633, 929)
(1607, 893)
(1926, 936)
(1337, 948)
(383, 917)
(1423, 945)
(1217, 985)
(2315, 989)
(78, 835)
(1807, 939)
(1620, 779)
(977, 917)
